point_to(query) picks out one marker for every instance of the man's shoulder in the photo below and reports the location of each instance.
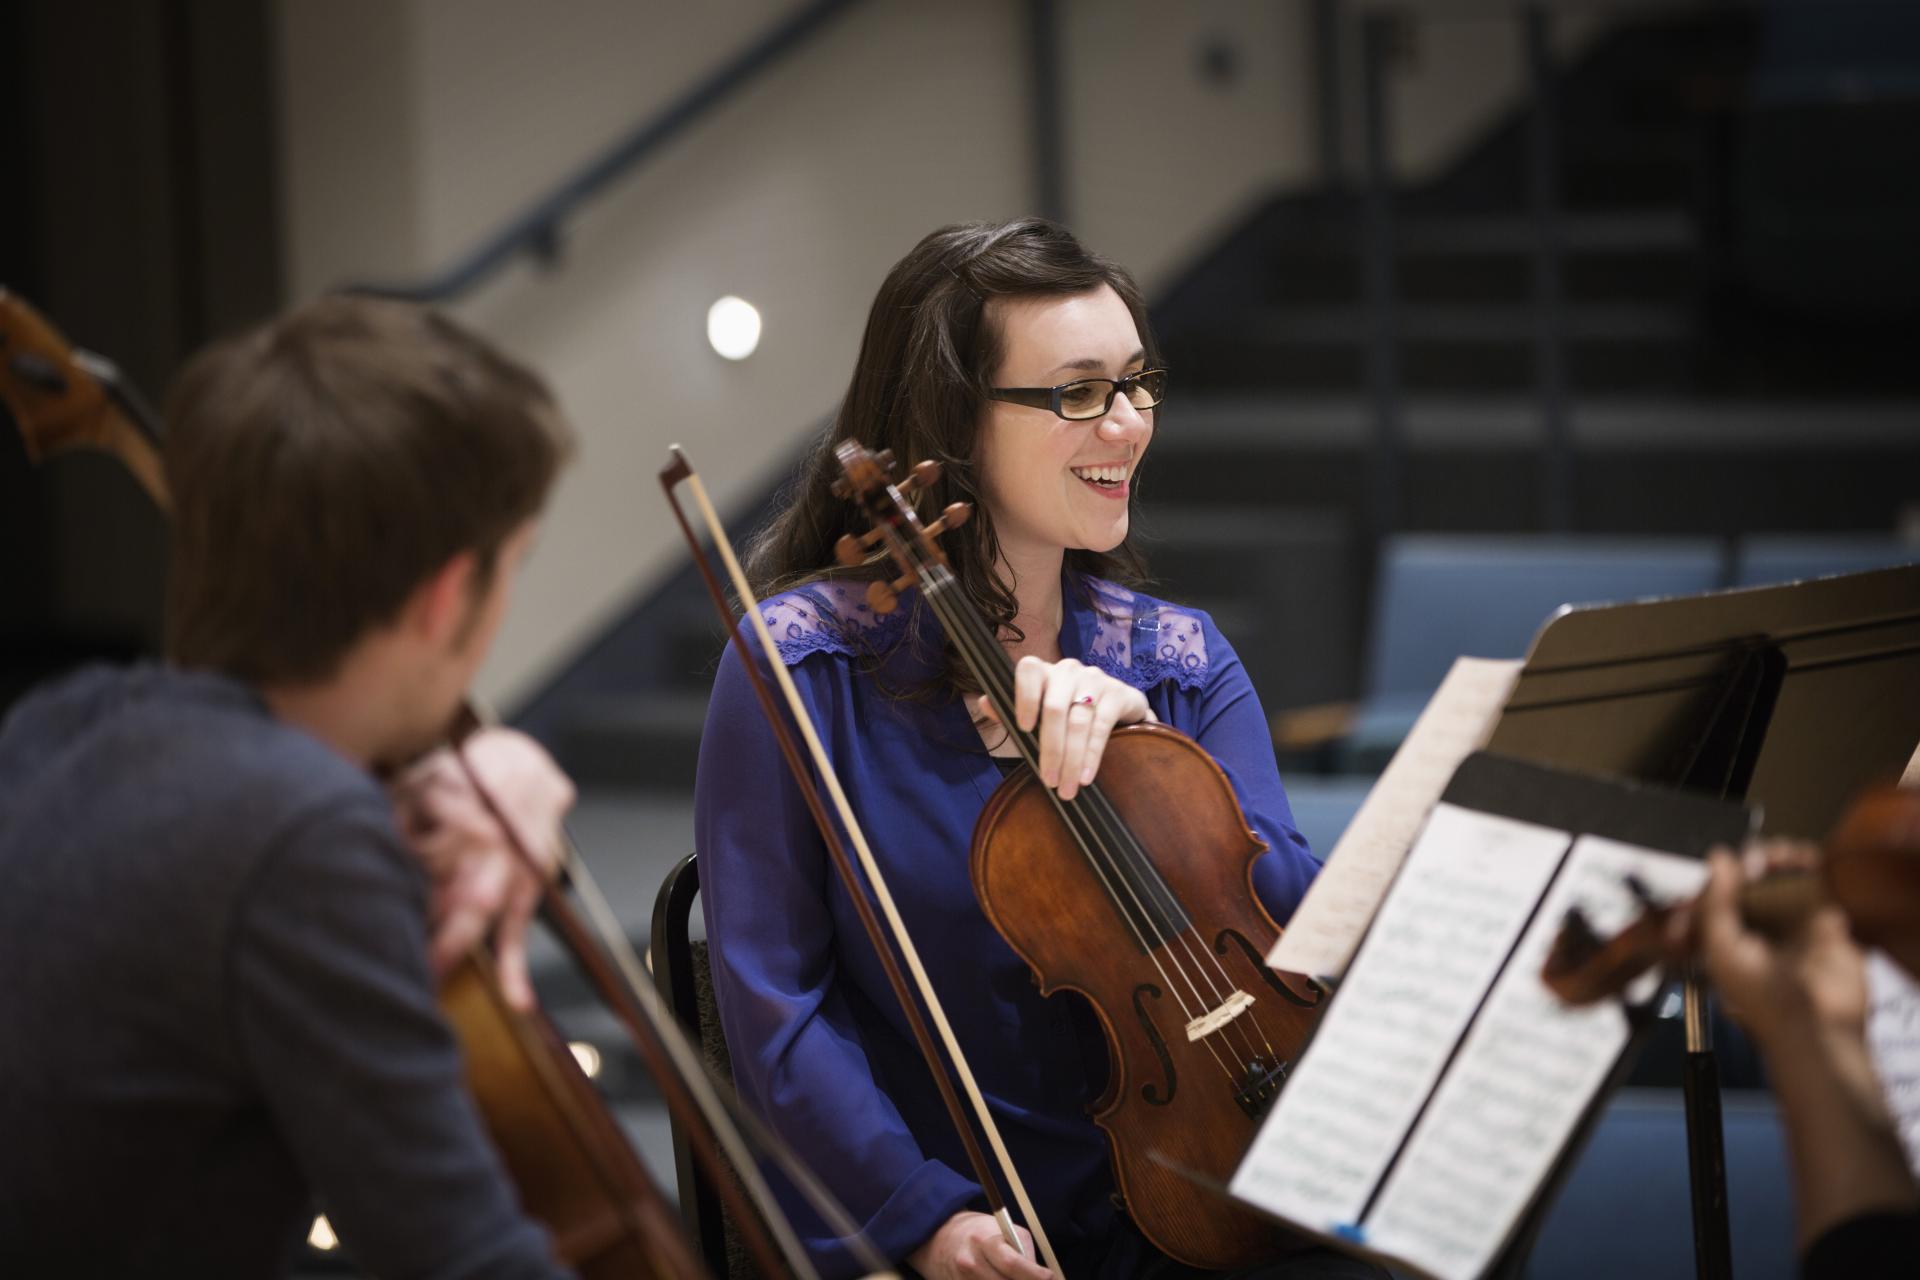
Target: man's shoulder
(161, 747)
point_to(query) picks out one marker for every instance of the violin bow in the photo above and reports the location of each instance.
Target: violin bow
(680, 470)
(674, 1063)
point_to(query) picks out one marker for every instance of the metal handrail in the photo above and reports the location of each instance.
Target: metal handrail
(536, 230)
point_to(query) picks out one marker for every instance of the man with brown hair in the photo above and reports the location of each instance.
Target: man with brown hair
(217, 999)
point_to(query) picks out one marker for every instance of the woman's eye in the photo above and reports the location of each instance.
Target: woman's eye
(1081, 395)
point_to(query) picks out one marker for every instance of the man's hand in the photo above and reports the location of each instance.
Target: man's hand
(969, 1246)
(479, 882)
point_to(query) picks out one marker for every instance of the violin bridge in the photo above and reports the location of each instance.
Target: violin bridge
(1214, 1019)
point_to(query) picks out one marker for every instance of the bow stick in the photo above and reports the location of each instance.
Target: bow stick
(681, 470)
(672, 1060)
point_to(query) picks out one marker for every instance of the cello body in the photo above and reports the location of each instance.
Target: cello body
(574, 1169)
(1173, 1107)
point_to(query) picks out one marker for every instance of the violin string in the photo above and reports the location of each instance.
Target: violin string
(1122, 834)
(963, 626)
(1117, 835)
(999, 684)
(1110, 817)
(1071, 819)
(1118, 839)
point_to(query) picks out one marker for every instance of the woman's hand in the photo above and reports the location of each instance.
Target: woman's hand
(1076, 707)
(969, 1246)
(480, 885)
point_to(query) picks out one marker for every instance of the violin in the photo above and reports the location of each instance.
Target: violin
(574, 1168)
(1136, 895)
(1869, 868)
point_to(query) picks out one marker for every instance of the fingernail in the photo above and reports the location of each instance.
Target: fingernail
(1086, 774)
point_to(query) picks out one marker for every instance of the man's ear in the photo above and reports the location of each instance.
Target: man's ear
(438, 608)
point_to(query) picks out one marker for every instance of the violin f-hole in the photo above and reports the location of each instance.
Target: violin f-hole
(1151, 1092)
(1267, 975)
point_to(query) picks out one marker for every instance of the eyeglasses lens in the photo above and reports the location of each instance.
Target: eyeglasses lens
(1092, 397)
(1148, 388)
(1086, 399)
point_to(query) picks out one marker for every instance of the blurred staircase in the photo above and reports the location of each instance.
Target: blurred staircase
(1254, 504)
(1699, 405)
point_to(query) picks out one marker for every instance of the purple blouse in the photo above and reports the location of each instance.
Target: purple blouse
(819, 1045)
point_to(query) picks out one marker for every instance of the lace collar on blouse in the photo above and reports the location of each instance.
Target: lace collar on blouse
(1130, 636)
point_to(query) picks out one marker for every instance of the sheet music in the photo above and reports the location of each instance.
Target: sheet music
(1328, 924)
(1893, 1038)
(1452, 917)
(1523, 1079)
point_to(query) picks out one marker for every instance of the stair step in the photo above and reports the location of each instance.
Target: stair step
(644, 740)
(1477, 324)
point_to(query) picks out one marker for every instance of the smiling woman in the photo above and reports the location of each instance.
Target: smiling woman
(1025, 366)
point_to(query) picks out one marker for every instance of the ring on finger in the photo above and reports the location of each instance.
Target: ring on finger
(1084, 700)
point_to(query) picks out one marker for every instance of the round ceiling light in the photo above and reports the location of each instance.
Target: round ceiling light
(733, 327)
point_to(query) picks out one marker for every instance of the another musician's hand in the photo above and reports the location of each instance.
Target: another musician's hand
(969, 1246)
(1076, 707)
(480, 886)
(1812, 981)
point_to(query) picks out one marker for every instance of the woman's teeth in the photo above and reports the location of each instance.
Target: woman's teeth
(1101, 475)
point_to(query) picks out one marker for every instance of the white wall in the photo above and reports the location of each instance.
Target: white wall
(412, 128)
(1162, 160)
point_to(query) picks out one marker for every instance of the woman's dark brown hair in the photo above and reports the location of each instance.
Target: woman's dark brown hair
(920, 389)
(326, 464)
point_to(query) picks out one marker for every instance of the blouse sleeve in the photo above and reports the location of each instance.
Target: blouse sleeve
(797, 1052)
(1231, 726)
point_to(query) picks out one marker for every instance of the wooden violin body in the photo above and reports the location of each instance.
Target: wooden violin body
(1173, 1106)
(1870, 869)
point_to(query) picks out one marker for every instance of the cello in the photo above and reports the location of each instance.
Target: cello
(573, 1166)
(1136, 895)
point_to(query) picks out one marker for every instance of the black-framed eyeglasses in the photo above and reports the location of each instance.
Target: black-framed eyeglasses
(1085, 398)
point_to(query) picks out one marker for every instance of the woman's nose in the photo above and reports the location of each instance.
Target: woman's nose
(1123, 421)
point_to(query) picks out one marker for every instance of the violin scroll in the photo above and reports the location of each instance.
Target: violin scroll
(63, 398)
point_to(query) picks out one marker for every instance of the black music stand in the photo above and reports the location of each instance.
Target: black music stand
(1791, 698)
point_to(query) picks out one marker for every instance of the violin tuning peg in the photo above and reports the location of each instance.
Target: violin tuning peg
(840, 489)
(881, 598)
(884, 459)
(923, 475)
(849, 551)
(955, 515)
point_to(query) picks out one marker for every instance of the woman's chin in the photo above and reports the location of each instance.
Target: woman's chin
(1105, 540)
